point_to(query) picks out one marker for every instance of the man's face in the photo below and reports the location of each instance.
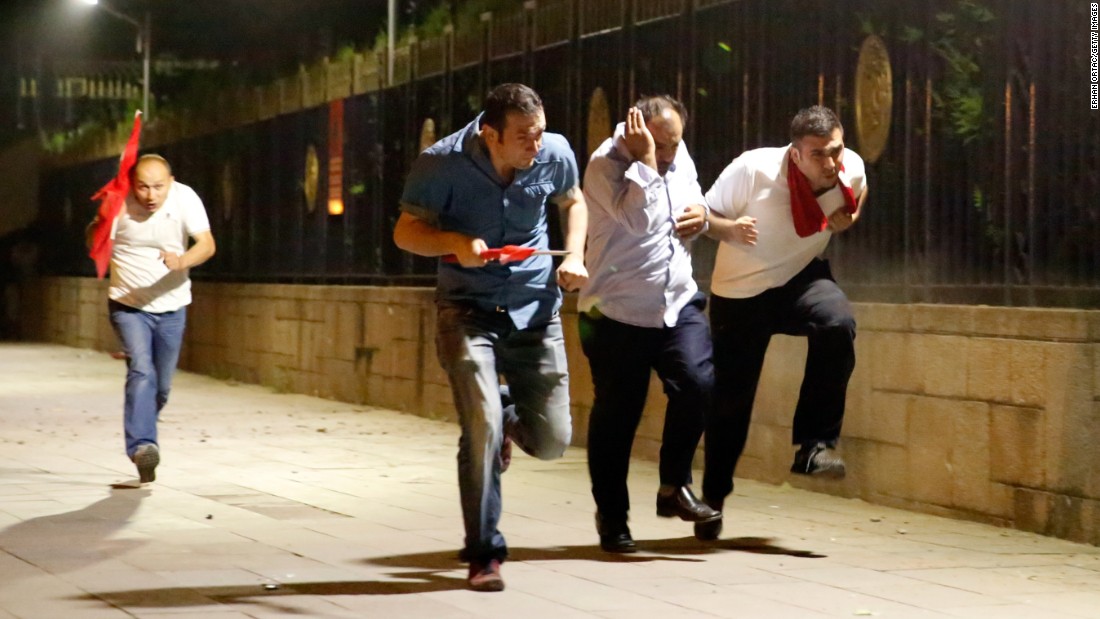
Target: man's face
(151, 183)
(520, 142)
(667, 129)
(819, 158)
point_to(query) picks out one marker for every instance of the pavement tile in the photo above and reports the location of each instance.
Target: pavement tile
(272, 505)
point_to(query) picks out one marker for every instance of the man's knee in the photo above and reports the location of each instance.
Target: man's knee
(551, 445)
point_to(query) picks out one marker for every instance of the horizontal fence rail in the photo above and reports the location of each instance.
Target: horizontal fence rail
(983, 188)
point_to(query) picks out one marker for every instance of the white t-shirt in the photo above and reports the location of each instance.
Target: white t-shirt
(755, 184)
(139, 277)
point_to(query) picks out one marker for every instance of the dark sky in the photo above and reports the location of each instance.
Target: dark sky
(262, 32)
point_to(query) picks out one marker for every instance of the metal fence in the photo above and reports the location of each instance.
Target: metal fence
(986, 190)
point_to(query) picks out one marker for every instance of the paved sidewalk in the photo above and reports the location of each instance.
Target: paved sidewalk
(274, 505)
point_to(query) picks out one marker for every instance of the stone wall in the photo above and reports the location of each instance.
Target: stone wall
(986, 413)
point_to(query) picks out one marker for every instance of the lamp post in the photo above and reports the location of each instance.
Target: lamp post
(144, 42)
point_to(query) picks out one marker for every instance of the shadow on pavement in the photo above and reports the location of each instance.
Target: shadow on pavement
(435, 571)
(47, 542)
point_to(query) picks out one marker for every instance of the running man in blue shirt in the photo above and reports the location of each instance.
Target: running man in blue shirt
(486, 186)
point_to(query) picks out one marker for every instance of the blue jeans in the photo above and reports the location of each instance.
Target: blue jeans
(475, 347)
(152, 346)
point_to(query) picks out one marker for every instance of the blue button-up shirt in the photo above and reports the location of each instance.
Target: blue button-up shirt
(453, 186)
(639, 269)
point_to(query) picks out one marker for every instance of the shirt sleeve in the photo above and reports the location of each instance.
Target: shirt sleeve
(630, 194)
(426, 188)
(856, 170)
(729, 195)
(567, 176)
(195, 219)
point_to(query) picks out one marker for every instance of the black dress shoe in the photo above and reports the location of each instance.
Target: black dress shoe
(683, 505)
(709, 531)
(615, 535)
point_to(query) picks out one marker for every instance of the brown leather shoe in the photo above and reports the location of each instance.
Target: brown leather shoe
(683, 505)
(485, 576)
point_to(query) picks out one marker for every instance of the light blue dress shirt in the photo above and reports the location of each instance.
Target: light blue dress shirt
(639, 270)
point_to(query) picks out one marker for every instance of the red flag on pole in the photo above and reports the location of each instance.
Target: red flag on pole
(112, 196)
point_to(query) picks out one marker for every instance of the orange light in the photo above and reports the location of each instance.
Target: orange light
(335, 207)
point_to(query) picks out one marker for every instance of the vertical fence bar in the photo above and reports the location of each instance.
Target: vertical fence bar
(1031, 194)
(928, 252)
(1008, 192)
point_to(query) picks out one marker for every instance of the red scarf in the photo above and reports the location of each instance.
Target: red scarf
(112, 196)
(809, 219)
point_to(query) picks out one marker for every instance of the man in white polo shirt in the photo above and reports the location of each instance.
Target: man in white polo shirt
(149, 293)
(774, 211)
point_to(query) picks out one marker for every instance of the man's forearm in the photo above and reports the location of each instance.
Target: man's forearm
(200, 252)
(576, 225)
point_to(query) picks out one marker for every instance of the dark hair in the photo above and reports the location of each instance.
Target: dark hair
(654, 105)
(817, 120)
(508, 98)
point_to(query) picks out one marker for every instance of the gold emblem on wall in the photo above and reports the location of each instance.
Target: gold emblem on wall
(427, 134)
(874, 98)
(599, 120)
(309, 183)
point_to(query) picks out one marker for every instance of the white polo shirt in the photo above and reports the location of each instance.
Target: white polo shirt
(755, 184)
(139, 277)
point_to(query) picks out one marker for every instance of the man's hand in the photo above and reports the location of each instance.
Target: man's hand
(841, 220)
(691, 221)
(638, 140)
(172, 260)
(741, 230)
(571, 273)
(469, 252)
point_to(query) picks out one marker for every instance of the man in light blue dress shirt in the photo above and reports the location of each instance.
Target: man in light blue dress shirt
(642, 311)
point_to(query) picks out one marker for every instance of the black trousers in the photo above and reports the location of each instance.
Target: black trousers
(810, 305)
(621, 357)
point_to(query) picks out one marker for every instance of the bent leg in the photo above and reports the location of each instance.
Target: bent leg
(534, 365)
(686, 369)
(821, 312)
(167, 341)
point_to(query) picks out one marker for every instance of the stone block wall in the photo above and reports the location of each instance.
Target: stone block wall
(985, 413)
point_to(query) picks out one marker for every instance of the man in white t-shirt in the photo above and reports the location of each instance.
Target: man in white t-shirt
(149, 293)
(774, 211)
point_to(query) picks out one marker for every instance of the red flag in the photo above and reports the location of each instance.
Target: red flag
(112, 196)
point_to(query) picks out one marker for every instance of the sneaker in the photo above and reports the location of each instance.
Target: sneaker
(819, 460)
(485, 576)
(147, 457)
(709, 531)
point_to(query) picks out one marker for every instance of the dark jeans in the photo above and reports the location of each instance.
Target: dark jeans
(621, 357)
(810, 305)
